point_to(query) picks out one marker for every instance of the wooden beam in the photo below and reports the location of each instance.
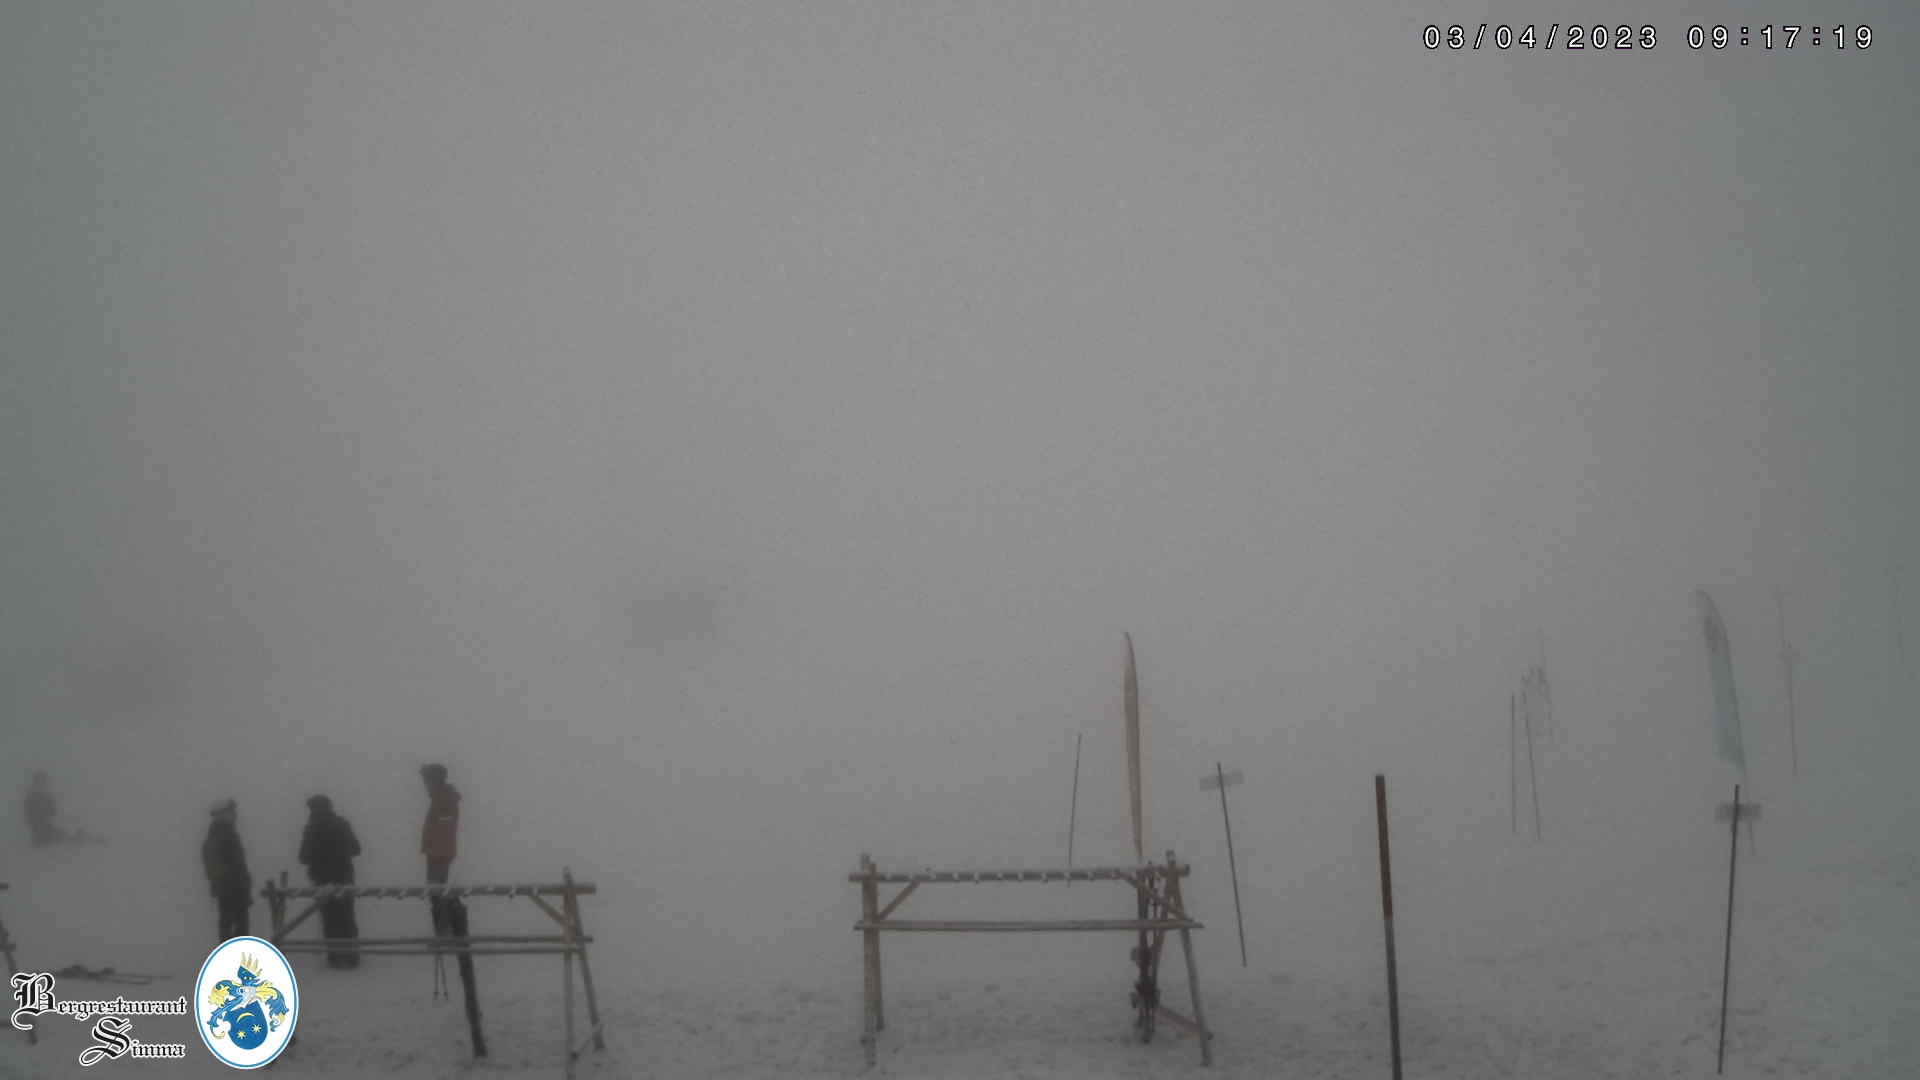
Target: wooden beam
(431, 950)
(448, 942)
(1017, 926)
(411, 892)
(592, 1037)
(1091, 873)
(552, 912)
(1177, 1020)
(897, 899)
(296, 921)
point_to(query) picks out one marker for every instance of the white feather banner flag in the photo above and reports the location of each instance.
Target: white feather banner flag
(1726, 704)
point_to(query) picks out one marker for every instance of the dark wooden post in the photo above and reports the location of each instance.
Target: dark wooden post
(1386, 908)
(870, 947)
(456, 912)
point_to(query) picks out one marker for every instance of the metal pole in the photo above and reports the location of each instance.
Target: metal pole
(1546, 692)
(1073, 800)
(1533, 778)
(1386, 908)
(1220, 772)
(1899, 641)
(1513, 762)
(1726, 961)
(1786, 664)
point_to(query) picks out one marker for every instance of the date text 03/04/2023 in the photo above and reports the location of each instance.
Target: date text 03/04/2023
(1577, 37)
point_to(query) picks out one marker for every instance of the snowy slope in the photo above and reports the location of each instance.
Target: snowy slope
(1826, 950)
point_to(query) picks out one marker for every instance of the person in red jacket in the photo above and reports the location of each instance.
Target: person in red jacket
(443, 822)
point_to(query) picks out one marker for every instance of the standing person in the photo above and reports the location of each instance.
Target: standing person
(226, 864)
(40, 812)
(327, 849)
(438, 834)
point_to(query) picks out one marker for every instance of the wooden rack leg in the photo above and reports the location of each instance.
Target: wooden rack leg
(870, 949)
(1193, 972)
(586, 968)
(566, 1007)
(33, 1036)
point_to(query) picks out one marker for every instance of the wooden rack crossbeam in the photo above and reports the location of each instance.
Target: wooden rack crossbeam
(1017, 926)
(420, 892)
(1089, 873)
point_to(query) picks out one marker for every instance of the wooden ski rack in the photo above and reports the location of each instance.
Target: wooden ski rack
(570, 942)
(6, 949)
(1160, 910)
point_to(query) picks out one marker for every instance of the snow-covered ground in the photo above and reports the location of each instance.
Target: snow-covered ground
(1596, 984)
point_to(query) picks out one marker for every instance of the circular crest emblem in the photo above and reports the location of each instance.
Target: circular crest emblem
(247, 1001)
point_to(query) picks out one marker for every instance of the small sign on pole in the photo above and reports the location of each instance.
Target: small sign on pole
(1222, 779)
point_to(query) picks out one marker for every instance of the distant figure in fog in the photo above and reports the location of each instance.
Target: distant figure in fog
(40, 812)
(443, 822)
(327, 849)
(226, 865)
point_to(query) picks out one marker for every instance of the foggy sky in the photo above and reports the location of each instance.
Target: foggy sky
(735, 436)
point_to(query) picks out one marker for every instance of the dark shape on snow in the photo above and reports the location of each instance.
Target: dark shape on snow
(41, 811)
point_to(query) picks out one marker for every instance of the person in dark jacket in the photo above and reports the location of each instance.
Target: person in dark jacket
(226, 865)
(327, 849)
(40, 812)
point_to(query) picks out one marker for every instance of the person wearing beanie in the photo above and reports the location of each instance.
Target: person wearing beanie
(327, 849)
(438, 834)
(225, 861)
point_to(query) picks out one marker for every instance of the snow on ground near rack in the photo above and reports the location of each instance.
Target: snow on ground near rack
(1827, 947)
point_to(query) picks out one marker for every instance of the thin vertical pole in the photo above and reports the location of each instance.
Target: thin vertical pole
(1898, 645)
(1546, 692)
(1533, 778)
(870, 940)
(1386, 908)
(1786, 666)
(1073, 800)
(1220, 773)
(1513, 762)
(1726, 961)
